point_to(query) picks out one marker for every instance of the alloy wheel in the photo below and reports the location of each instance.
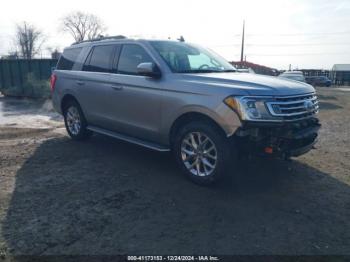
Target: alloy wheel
(73, 120)
(199, 154)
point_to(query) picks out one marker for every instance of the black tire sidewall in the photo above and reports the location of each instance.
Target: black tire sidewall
(221, 144)
(83, 132)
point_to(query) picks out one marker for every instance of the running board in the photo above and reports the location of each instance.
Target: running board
(129, 139)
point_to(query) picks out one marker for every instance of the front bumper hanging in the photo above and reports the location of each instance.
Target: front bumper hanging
(277, 139)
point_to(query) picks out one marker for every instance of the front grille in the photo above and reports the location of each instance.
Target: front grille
(292, 108)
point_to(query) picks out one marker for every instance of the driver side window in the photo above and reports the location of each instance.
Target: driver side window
(130, 57)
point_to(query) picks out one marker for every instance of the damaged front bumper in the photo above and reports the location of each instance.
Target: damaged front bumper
(278, 139)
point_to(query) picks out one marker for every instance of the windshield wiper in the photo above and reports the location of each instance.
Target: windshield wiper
(228, 70)
(197, 71)
(205, 71)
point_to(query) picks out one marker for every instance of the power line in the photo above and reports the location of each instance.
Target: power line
(296, 34)
(302, 44)
(282, 45)
(299, 54)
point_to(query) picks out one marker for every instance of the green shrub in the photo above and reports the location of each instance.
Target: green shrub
(32, 87)
(36, 88)
(12, 91)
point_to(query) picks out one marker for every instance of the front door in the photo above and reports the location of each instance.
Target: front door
(135, 100)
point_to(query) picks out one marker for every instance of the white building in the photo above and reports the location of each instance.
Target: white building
(340, 74)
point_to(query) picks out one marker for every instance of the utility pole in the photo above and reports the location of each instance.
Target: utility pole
(242, 50)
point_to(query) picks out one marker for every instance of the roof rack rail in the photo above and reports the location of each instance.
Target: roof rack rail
(100, 38)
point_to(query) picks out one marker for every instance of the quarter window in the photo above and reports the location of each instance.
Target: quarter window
(68, 58)
(99, 59)
(130, 57)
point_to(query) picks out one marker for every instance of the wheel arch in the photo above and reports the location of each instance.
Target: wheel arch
(65, 99)
(189, 117)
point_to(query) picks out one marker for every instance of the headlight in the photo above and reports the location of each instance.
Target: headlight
(250, 108)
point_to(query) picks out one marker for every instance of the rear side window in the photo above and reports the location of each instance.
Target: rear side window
(68, 58)
(130, 57)
(99, 59)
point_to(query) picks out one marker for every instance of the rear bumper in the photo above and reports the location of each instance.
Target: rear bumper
(282, 141)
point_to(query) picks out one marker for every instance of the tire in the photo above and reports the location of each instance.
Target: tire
(202, 165)
(75, 121)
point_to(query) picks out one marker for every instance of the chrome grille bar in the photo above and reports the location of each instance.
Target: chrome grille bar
(292, 108)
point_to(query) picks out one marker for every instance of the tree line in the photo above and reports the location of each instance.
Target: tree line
(29, 39)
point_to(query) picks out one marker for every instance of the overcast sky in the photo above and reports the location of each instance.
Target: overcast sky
(304, 33)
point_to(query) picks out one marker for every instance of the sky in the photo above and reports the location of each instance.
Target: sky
(303, 33)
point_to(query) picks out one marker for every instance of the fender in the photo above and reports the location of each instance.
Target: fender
(223, 116)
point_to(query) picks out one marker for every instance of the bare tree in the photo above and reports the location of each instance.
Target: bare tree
(28, 40)
(83, 26)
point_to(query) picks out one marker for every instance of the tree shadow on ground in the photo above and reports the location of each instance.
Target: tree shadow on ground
(108, 197)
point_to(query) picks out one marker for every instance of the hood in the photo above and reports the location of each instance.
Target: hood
(250, 84)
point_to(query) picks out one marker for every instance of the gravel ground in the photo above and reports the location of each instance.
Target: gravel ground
(104, 196)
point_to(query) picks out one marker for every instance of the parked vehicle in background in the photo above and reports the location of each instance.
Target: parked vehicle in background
(245, 70)
(168, 95)
(293, 75)
(318, 81)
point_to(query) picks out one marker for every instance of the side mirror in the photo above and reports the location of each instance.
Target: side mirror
(148, 69)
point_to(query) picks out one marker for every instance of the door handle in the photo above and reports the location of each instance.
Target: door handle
(117, 87)
(80, 82)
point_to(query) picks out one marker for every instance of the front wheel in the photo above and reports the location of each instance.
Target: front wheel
(202, 152)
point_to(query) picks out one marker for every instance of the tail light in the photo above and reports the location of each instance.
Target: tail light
(53, 82)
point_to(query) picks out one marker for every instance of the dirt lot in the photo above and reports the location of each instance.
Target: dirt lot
(108, 197)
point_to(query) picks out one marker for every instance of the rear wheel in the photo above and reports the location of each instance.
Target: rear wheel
(202, 152)
(75, 121)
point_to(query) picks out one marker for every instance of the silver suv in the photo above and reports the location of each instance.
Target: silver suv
(168, 95)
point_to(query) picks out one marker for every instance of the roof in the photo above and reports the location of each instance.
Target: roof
(292, 73)
(113, 39)
(341, 67)
(102, 41)
(101, 38)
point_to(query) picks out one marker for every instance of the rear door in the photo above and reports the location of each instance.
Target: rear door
(94, 84)
(135, 100)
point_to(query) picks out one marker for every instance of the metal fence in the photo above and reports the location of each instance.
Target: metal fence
(22, 77)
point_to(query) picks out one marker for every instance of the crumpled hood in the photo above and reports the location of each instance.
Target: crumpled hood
(250, 84)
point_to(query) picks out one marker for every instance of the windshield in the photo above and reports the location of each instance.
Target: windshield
(187, 58)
